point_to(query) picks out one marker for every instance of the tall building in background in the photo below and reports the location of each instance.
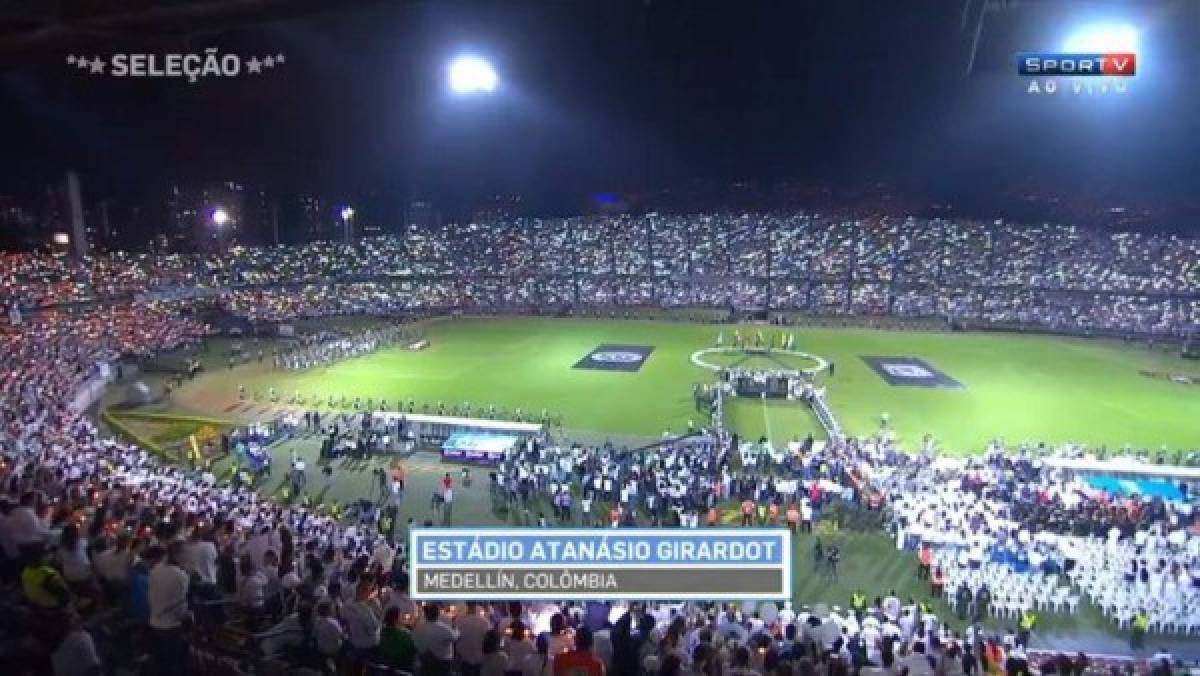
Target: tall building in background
(53, 217)
(245, 216)
(228, 198)
(316, 219)
(101, 230)
(181, 214)
(258, 224)
(421, 214)
(498, 208)
(15, 213)
(18, 223)
(114, 224)
(79, 237)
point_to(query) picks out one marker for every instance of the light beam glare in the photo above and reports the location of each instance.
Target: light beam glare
(1102, 38)
(471, 75)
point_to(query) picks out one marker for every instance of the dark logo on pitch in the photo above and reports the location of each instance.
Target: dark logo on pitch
(616, 358)
(909, 372)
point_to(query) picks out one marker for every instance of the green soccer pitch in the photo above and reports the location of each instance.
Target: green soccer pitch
(1015, 387)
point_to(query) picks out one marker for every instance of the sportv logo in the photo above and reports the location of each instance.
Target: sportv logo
(1121, 64)
(1082, 70)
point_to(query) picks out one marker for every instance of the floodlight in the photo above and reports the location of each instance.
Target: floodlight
(1103, 38)
(471, 75)
(220, 216)
(347, 213)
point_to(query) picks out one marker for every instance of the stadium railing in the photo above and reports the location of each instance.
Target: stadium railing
(833, 429)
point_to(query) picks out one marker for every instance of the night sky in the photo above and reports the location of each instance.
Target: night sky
(621, 96)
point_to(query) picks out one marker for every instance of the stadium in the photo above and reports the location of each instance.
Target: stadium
(718, 429)
(230, 384)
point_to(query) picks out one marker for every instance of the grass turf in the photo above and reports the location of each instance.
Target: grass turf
(1017, 387)
(778, 420)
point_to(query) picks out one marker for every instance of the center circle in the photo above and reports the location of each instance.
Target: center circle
(697, 358)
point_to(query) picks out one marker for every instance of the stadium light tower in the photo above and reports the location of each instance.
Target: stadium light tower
(219, 216)
(347, 215)
(470, 75)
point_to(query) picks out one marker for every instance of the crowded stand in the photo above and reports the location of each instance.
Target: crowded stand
(1048, 277)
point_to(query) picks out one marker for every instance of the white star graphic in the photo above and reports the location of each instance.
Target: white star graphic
(269, 61)
(70, 59)
(98, 65)
(279, 59)
(82, 63)
(254, 66)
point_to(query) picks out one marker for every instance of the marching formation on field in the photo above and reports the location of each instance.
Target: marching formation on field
(326, 347)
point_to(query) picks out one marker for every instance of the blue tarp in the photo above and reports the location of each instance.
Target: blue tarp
(1147, 488)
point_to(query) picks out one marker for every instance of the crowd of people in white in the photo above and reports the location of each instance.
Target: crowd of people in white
(1011, 519)
(1064, 278)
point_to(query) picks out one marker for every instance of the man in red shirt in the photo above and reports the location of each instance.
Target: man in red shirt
(580, 661)
(747, 512)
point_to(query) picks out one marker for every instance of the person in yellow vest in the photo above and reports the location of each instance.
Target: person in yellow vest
(858, 603)
(44, 587)
(762, 515)
(1025, 627)
(1141, 624)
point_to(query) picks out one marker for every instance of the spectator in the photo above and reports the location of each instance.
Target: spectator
(472, 628)
(580, 661)
(328, 635)
(434, 640)
(396, 646)
(495, 661)
(539, 662)
(167, 592)
(75, 654)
